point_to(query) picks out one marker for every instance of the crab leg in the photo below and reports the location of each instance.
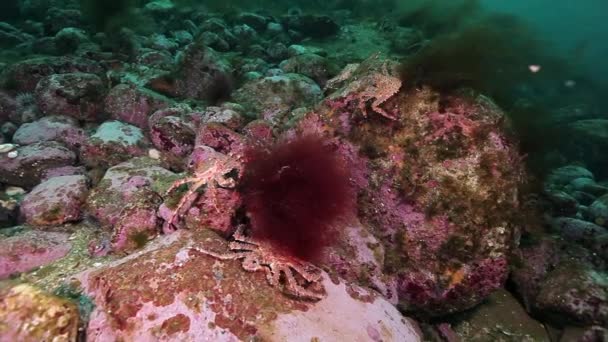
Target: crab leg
(187, 197)
(178, 183)
(293, 288)
(221, 256)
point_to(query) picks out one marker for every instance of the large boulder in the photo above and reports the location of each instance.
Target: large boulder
(437, 182)
(174, 293)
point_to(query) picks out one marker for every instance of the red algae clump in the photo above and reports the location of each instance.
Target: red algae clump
(295, 192)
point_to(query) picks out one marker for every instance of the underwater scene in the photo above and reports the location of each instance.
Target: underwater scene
(304, 170)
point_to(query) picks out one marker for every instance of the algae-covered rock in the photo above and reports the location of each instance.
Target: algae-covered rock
(500, 318)
(133, 105)
(51, 128)
(123, 184)
(113, 143)
(78, 95)
(29, 314)
(24, 75)
(274, 96)
(55, 201)
(438, 186)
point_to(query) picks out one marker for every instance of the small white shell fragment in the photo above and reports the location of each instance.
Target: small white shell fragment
(154, 153)
(14, 191)
(12, 154)
(4, 148)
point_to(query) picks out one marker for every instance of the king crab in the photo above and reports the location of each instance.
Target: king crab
(377, 86)
(259, 256)
(215, 173)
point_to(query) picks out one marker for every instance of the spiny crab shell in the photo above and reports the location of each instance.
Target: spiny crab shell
(301, 280)
(215, 173)
(364, 84)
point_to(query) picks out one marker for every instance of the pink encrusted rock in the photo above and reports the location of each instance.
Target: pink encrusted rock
(58, 128)
(55, 201)
(31, 249)
(113, 143)
(271, 98)
(358, 258)
(137, 222)
(210, 206)
(171, 134)
(437, 181)
(215, 209)
(220, 138)
(226, 116)
(77, 95)
(23, 76)
(32, 162)
(167, 293)
(259, 130)
(123, 184)
(64, 171)
(134, 105)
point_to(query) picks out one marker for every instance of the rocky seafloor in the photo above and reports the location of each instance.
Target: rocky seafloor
(448, 242)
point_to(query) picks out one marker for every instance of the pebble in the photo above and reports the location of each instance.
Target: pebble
(13, 154)
(7, 147)
(154, 153)
(14, 191)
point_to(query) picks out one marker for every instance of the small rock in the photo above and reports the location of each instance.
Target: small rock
(55, 201)
(113, 143)
(32, 161)
(14, 191)
(311, 65)
(123, 183)
(68, 39)
(256, 21)
(599, 211)
(587, 185)
(563, 203)
(578, 231)
(77, 95)
(274, 96)
(58, 128)
(564, 175)
(311, 25)
(30, 314)
(134, 105)
(5, 148)
(500, 314)
(23, 76)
